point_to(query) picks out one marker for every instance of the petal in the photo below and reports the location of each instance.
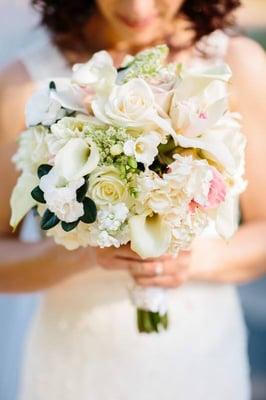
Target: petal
(150, 236)
(21, 201)
(77, 158)
(69, 95)
(216, 150)
(226, 221)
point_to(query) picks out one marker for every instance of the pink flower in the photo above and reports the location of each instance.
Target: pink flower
(217, 190)
(216, 193)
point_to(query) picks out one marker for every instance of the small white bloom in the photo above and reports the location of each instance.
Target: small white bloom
(60, 196)
(144, 149)
(111, 217)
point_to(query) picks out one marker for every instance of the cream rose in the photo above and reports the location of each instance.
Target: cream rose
(131, 105)
(106, 187)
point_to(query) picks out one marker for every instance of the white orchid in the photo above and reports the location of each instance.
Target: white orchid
(144, 149)
(42, 109)
(77, 158)
(48, 105)
(98, 73)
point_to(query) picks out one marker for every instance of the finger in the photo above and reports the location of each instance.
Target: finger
(150, 269)
(165, 281)
(111, 263)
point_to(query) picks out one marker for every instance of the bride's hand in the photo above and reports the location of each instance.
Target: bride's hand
(166, 271)
(112, 258)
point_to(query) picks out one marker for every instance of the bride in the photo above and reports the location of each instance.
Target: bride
(83, 342)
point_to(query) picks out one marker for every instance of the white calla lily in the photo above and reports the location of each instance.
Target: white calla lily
(77, 158)
(226, 222)
(21, 201)
(150, 235)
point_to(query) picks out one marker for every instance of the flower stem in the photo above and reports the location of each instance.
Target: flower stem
(149, 321)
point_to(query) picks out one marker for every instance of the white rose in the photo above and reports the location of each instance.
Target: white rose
(106, 187)
(144, 149)
(99, 72)
(77, 158)
(131, 105)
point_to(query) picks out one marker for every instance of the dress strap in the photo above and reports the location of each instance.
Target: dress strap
(214, 46)
(43, 60)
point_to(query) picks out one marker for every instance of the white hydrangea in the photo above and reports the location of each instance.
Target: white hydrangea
(32, 150)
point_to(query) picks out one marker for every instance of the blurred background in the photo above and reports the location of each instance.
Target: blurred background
(18, 27)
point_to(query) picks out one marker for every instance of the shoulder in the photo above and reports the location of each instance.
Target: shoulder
(246, 59)
(15, 88)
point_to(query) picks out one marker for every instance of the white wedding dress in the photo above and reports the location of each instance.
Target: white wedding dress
(84, 345)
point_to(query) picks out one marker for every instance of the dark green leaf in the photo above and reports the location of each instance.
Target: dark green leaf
(52, 85)
(81, 192)
(43, 170)
(37, 194)
(90, 211)
(49, 220)
(68, 226)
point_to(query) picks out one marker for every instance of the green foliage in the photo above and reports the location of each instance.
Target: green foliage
(90, 211)
(38, 195)
(49, 220)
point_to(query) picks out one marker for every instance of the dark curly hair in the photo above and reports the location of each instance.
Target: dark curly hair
(66, 19)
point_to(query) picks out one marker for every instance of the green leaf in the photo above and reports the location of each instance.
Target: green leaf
(49, 220)
(43, 170)
(68, 226)
(90, 211)
(81, 192)
(52, 85)
(37, 194)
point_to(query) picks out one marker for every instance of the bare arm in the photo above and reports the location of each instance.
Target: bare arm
(25, 267)
(244, 257)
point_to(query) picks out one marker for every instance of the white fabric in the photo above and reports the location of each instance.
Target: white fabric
(84, 344)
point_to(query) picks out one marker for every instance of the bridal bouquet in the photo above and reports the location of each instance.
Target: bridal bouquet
(147, 154)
